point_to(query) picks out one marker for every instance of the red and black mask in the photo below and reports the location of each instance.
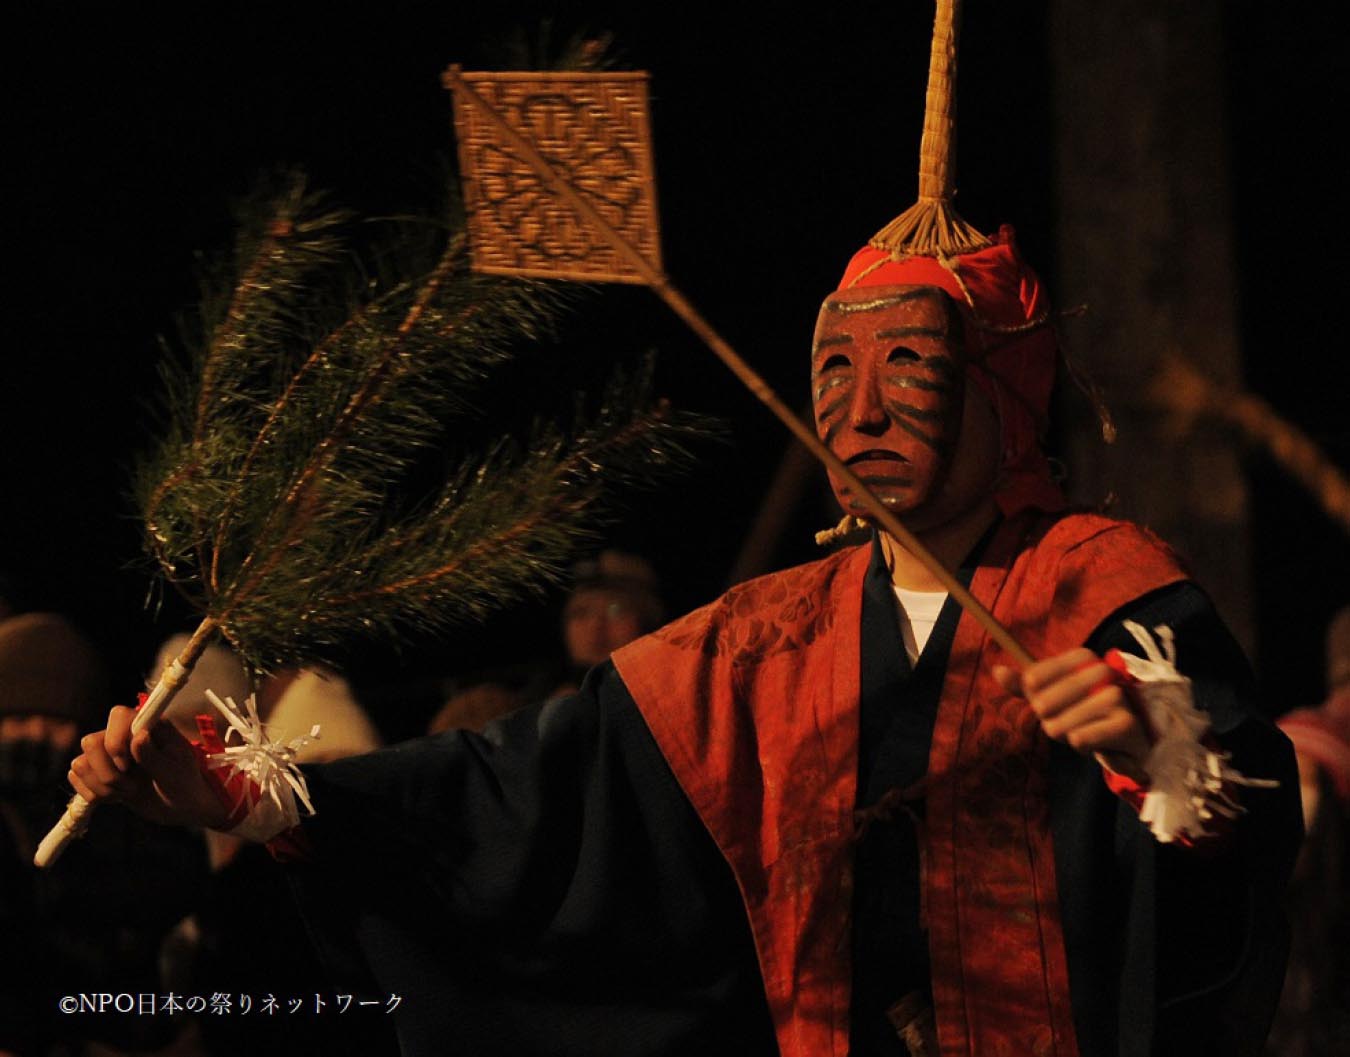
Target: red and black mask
(887, 375)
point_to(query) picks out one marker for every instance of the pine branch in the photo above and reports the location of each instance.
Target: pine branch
(273, 502)
(501, 528)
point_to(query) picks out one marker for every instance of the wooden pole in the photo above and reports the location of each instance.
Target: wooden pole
(748, 376)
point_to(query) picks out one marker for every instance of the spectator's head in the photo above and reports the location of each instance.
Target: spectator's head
(52, 686)
(615, 598)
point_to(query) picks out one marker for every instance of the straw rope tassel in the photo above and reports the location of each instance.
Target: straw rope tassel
(931, 227)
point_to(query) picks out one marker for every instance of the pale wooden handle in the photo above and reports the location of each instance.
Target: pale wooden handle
(75, 821)
(71, 825)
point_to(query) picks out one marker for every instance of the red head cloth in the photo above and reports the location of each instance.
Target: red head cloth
(1010, 347)
(1323, 735)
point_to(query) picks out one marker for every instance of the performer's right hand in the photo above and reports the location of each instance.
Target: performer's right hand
(154, 772)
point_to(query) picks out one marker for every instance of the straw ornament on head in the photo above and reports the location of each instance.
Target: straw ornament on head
(1011, 351)
(931, 226)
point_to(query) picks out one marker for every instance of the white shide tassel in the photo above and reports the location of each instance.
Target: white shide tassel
(274, 782)
(1187, 779)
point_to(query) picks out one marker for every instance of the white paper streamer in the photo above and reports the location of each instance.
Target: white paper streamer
(1186, 778)
(274, 781)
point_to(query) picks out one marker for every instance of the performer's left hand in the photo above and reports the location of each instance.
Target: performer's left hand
(1078, 701)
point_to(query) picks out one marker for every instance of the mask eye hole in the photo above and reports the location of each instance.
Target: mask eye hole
(837, 360)
(903, 354)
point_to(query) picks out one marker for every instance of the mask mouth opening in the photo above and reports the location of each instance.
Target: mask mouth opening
(874, 455)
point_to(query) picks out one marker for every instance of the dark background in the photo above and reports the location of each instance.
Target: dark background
(782, 143)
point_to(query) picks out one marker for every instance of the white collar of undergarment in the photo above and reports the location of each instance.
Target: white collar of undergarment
(918, 614)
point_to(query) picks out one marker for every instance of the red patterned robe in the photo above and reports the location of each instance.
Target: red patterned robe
(664, 864)
(754, 703)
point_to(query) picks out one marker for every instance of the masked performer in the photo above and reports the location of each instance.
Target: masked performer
(820, 815)
(823, 815)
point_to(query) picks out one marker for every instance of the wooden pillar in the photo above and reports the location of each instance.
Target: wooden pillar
(1144, 239)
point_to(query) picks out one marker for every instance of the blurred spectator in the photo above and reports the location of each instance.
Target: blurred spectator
(475, 706)
(258, 945)
(94, 921)
(52, 684)
(615, 598)
(1314, 1016)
